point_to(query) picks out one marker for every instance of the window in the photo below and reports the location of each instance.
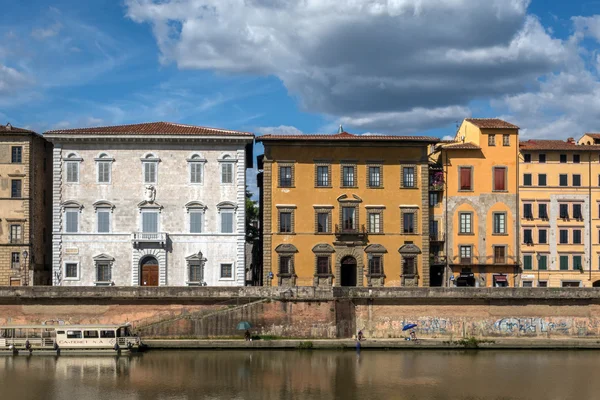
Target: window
(15, 260)
(576, 180)
(465, 254)
(150, 171)
(375, 177)
(285, 176)
(527, 284)
(348, 218)
(506, 140)
(227, 271)
(196, 171)
(491, 140)
(527, 211)
(375, 223)
(466, 178)
(527, 158)
(527, 179)
(285, 222)
(409, 268)
(564, 211)
(543, 263)
(543, 284)
(499, 178)
(71, 220)
(226, 221)
(499, 254)
(15, 188)
(72, 172)
(375, 265)
(196, 217)
(542, 236)
(323, 265)
(285, 265)
(104, 172)
(499, 223)
(576, 236)
(563, 179)
(434, 198)
(563, 236)
(196, 271)
(543, 211)
(348, 176)
(408, 221)
(542, 158)
(563, 158)
(323, 222)
(74, 335)
(103, 216)
(564, 263)
(577, 263)
(527, 262)
(17, 155)
(541, 179)
(577, 211)
(16, 234)
(527, 236)
(71, 270)
(465, 222)
(576, 158)
(323, 176)
(103, 273)
(150, 221)
(226, 173)
(91, 334)
(408, 177)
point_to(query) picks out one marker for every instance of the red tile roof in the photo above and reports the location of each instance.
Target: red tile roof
(345, 136)
(491, 123)
(593, 135)
(151, 128)
(555, 145)
(8, 128)
(460, 146)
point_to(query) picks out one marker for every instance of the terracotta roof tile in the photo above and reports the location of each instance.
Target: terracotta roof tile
(345, 136)
(491, 123)
(460, 146)
(555, 145)
(8, 128)
(151, 128)
(594, 135)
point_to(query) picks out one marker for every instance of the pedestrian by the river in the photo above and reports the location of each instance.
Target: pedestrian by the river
(247, 335)
(360, 335)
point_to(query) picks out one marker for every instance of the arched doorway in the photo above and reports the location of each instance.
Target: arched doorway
(149, 271)
(348, 271)
(596, 284)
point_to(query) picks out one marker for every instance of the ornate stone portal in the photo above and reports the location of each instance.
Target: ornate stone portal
(353, 251)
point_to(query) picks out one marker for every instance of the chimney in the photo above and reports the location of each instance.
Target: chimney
(571, 140)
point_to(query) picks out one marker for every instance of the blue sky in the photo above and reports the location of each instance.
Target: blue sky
(389, 66)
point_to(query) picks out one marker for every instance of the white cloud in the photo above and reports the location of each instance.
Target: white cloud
(278, 130)
(11, 80)
(372, 62)
(44, 33)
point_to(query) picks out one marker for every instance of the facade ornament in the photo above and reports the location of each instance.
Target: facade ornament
(150, 193)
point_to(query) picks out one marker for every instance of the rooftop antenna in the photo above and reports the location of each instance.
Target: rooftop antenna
(341, 130)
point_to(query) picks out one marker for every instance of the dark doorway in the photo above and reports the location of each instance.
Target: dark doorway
(436, 275)
(149, 272)
(349, 271)
(596, 284)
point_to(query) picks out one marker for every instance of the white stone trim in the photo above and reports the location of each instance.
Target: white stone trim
(161, 257)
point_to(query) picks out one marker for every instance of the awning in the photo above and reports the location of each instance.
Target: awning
(500, 278)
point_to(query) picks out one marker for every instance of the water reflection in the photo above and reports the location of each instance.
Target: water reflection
(349, 375)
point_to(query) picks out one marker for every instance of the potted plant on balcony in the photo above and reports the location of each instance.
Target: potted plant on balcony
(437, 181)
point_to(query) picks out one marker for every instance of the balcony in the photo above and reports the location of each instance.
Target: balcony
(483, 260)
(436, 187)
(149, 239)
(437, 260)
(438, 237)
(350, 234)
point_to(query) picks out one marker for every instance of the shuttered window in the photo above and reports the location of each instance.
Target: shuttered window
(149, 172)
(195, 221)
(196, 172)
(103, 221)
(465, 178)
(104, 172)
(226, 173)
(499, 178)
(72, 221)
(226, 222)
(527, 262)
(73, 172)
(150, 221)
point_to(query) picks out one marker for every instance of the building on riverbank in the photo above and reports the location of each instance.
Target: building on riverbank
(345, 210)
(25, 198)
(149, 204)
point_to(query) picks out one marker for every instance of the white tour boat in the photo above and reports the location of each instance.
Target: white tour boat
(29, 339)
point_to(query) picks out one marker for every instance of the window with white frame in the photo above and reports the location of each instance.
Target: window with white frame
(196, 217)
(227, 216)
(103, 272)
(72, 220)
(72, 167)
(150, 221)
(196, 271)
(150, 168)
(103, 220)
(196, 169)
(227, 271)
(103, 168)
(226, 169)
(71, 270)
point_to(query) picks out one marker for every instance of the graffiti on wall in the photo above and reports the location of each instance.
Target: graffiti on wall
(532, 326)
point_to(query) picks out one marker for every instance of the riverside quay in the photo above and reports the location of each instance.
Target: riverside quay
(165, 204)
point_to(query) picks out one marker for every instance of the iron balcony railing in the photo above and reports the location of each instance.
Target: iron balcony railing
(359, 231)
(437, 260)
(486, 260)
(437, 237)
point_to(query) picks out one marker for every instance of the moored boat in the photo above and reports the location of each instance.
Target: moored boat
(78, 339)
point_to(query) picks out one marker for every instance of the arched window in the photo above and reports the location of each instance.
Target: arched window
(196, 168)
(150, 168)
(104, 168)
(196, 210)
(227, 214)
(227, 170)
(72, 162)
(71, 211)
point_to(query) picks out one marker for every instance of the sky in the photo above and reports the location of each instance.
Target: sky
(302, 66)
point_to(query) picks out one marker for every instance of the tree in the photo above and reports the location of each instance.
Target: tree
(251, 218)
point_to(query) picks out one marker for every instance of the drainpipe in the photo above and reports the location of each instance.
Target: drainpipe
(445, 159)
(590, 212)
(518, 220)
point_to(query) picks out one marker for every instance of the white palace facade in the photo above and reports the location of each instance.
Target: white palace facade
(155, 204)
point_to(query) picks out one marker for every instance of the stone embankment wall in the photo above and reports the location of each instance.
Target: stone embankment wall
(307, 312)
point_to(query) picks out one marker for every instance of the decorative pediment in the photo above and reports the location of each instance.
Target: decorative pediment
(286, 248)
(375, 248)
(196, 257)
(71, 204)
(195, 205)
(226, 204)
(145, 205)
(104, 204)
(346, 198)
(103, 257)
(409, 248)
(323, 248)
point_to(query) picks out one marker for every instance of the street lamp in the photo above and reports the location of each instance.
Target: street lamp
(538, 257)
(25, 255)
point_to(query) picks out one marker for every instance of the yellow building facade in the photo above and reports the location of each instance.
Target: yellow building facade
(345, 210)
(478, 210)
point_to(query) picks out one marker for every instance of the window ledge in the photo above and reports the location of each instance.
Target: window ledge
(321, 275)
(280, 187)
(466, 234)
(466, 190)
(286, 233)
(103, 283)
(377, 275)
(348, 187)
(499, 234)
(408, 187)
(323, 187)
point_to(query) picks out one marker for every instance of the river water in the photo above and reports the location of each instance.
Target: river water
(468, 375)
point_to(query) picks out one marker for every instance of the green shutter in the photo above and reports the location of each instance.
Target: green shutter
(527, 262)
(542, 264)
(576, 263)
(564, 263)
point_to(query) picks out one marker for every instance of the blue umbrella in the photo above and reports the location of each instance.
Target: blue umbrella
(408, 326)
(243, 326)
